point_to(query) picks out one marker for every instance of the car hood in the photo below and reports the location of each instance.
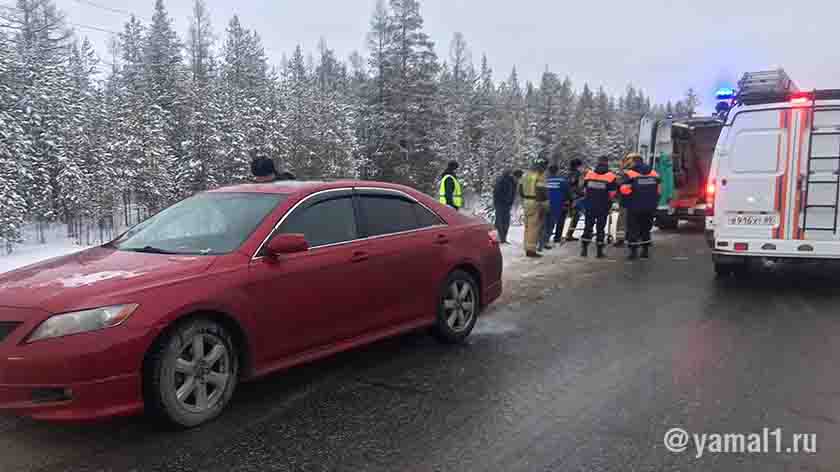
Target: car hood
(97, 274)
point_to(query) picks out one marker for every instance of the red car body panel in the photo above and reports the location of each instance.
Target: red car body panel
(303, 307)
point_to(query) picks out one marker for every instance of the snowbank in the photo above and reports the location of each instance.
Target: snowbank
(31, 251)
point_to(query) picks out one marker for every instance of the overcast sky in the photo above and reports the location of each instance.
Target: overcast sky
(663, 46)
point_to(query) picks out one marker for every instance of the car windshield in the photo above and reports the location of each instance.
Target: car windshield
(208, 223)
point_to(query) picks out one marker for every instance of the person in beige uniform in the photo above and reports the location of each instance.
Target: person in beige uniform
(534, 195)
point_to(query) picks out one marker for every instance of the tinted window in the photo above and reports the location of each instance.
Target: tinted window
(388, 214)
(208, 223)
(425, 217)
(326, 222)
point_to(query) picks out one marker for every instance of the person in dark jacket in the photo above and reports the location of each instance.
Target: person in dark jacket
(263, 170)
(600, 186)
(640, 192)
(575, 177)
(558, 201)
(450, 192)
(504, 195)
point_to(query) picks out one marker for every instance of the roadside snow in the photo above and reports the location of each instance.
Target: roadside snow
(31, 251)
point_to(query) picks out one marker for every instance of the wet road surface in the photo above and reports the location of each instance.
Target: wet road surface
(569, 372)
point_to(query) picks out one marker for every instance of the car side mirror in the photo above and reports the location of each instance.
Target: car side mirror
(286, 244)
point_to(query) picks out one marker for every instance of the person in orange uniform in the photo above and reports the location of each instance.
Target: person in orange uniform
(600, 186)
(640, 192)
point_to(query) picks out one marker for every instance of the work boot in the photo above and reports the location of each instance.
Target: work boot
(600, 254)
(634, 253)
(533, 254)
(584, 249)
(644, 254)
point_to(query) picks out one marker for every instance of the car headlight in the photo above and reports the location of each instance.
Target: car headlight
(82, 321)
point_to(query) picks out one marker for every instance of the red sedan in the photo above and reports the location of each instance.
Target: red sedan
(234, 284)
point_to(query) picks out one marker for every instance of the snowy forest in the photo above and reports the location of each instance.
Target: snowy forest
(98, 140)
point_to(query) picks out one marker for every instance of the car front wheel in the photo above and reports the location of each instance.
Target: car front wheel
(191, 374)
(458, 307)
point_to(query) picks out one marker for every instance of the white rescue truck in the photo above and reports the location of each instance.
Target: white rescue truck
(774, 185)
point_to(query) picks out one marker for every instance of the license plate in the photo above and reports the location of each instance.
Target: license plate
(753, 220)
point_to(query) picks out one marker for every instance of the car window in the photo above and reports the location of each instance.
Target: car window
(387, 214)
(207, 223)
(426, 218)
(326, 222)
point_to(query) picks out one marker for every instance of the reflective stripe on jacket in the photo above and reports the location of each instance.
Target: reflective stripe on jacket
(640, 190)
(457, 195)
(533, 187)
(600, 190)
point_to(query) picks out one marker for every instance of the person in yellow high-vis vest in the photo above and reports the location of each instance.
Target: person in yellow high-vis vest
(535, 203)
(450, 192)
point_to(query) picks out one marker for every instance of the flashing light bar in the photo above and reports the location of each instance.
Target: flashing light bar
(726, 94)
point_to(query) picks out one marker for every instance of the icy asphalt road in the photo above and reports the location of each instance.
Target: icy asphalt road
(566, 373)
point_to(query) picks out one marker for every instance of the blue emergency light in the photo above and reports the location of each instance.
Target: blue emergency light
(725, 94)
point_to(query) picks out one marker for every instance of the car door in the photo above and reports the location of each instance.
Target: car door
(407, 244)
(316, 297)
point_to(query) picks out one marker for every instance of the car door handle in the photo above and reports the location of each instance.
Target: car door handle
(442, 239)
(359, 256)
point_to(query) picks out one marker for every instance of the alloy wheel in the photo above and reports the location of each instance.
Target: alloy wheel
(202, 373)
(459, 305)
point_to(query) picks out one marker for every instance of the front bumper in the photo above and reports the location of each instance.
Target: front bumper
(99, 373)
(98, 399)
(778, 248)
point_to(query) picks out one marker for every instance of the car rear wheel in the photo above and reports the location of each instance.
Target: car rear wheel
(458, 307)
(191, 374)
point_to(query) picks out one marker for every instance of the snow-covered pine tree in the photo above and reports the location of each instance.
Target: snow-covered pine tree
(334, 120)
(376, 140)
(410, 97)
(164, 111)
(41, 41)
(457, 84)
(244, 87)
(200, 146)
(512, 123)
(76, 174)
(300, 101)
(357, 88)
(125, 102)
(479, 170)
(585, 134)
(14, 148)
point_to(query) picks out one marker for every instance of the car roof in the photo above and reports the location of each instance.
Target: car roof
(308, 186)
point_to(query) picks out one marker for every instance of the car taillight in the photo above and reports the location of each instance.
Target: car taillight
(710, 198)
(494, 237)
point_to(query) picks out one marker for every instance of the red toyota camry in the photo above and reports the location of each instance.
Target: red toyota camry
(233, 284)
